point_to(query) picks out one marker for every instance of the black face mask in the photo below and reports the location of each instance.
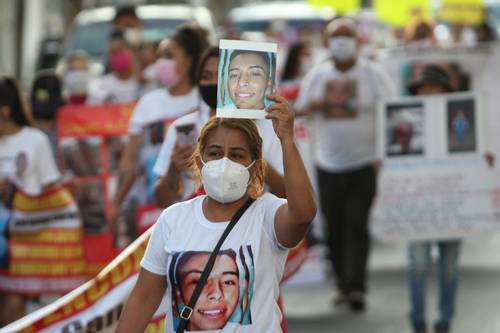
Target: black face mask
(209, 94)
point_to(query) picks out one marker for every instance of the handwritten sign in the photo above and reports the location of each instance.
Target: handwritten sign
(435, 182)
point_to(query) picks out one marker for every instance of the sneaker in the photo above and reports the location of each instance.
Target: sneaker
(357, 301)
(339, 298)
(441, 328)
(420, 328)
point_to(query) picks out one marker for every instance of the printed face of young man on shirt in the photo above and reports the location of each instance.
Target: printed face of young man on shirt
(248, 79)
(340, 99)
(219, 296)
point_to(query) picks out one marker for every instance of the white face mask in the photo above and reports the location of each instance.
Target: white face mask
(342, 48)
(76, 81)
(224, 180)
(134, 36)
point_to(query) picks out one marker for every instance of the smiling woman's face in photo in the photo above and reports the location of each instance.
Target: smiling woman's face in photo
(248, 80)
(219, 296)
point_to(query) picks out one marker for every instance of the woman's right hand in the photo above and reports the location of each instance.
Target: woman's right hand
(181, 156)
(4, 189)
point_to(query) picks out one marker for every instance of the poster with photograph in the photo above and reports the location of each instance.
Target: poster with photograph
(413, 72)
(247, 74)
(435, 182)
(405, 129)
(472, 69)
(461, 129)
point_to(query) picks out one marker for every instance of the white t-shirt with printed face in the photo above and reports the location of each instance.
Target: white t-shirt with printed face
(242, 290)
(150, 119)
(345, 132)
(160, 105)
(271, 147)
(26, 159)
(110, 90)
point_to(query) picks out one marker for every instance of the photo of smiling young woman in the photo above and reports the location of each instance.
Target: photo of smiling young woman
(246, 78)
(226, 294)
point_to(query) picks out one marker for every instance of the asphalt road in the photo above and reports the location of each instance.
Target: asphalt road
(309, 309)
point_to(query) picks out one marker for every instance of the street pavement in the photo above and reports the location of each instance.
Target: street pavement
(308, 308)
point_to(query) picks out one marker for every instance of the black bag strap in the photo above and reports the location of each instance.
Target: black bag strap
(187, 310)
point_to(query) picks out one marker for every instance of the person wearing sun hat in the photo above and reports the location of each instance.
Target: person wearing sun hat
(432, 80)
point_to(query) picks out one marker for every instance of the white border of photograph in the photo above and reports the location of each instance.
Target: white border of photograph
(250, 46)
(247, 45)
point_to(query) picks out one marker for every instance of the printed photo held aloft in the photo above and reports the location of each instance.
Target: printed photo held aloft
(247, 74)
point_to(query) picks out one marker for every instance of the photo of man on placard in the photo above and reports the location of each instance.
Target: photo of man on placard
(405, 123)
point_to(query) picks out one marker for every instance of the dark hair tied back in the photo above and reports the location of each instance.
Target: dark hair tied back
(193, 40)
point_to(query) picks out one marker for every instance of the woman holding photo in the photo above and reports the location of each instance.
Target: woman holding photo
(175, 181)
(229, 151)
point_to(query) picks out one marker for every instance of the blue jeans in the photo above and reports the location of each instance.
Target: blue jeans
(420, 264)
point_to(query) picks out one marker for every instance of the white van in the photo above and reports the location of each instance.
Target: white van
(91, 27)
(259, 16)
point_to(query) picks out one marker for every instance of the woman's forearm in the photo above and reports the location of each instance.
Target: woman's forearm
(276, 182)
(135, 317)
(127, 169)
(167, 187)
(142, 302)
(299, 190)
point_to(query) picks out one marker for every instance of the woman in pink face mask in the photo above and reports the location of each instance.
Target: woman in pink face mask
(120, 85)
(176, 70)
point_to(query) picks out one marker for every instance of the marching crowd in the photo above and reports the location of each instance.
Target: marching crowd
(337, 88)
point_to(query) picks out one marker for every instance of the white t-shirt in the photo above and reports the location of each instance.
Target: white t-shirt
(160, 105)
(150, 119)
(108, 89)
(26, 159)
(345, 139)
(271, 147)
(242, 291)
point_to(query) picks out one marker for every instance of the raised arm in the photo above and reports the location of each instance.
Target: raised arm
(142, 302)
(166, 188)
(293, 219)
(126, 176)
(275, 181)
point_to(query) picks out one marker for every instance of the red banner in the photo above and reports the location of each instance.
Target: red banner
(102, 120)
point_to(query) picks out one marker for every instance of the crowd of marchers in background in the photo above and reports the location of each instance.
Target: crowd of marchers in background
(176, 79)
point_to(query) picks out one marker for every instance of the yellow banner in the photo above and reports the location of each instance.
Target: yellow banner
(340, 6)
(462, 11)
(52, 200)
(402, 12)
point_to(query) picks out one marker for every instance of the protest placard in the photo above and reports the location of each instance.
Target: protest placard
(435, 182)
(247, 74)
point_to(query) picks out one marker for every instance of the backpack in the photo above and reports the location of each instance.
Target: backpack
(46, 95)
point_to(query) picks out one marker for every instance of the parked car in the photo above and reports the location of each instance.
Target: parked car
(91, 27)
(260, 17)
